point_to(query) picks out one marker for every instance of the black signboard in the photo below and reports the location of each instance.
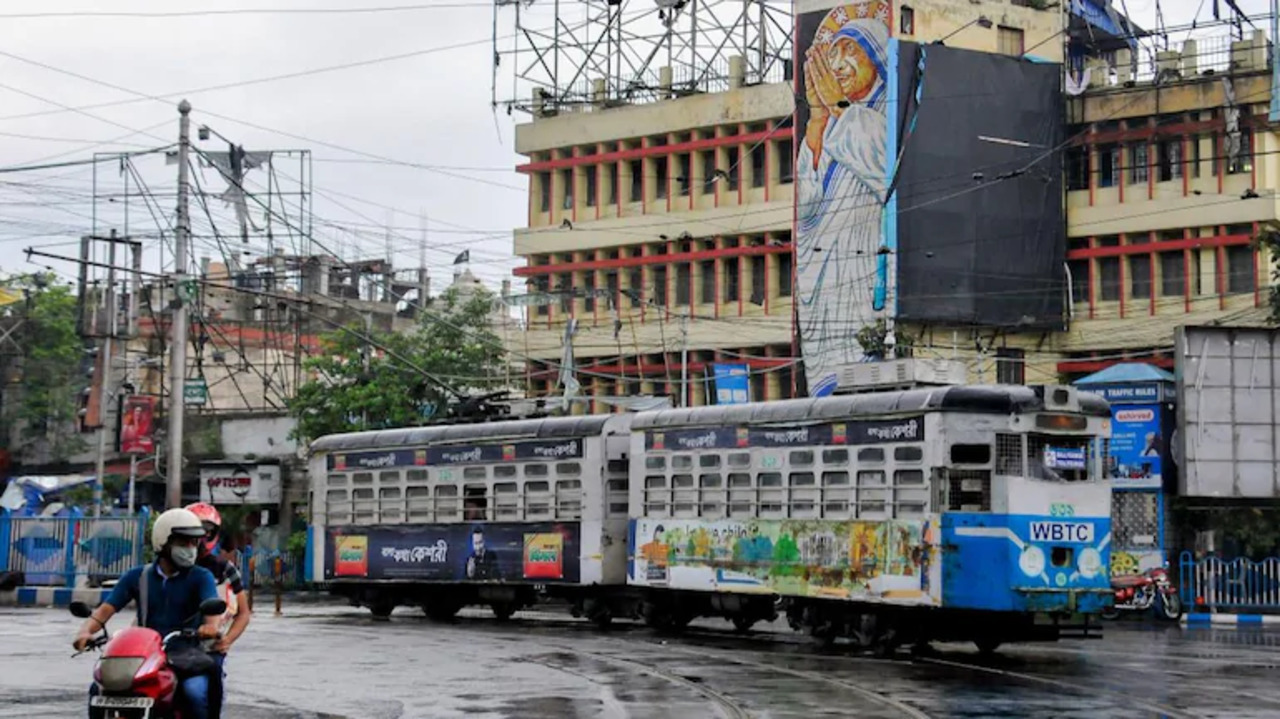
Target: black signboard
(904, 429)
(457, 454)
(478, 552)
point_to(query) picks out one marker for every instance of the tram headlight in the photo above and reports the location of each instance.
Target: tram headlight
(1090, 562)
(1032, 561)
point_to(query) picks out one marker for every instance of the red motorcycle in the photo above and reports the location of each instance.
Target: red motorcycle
(1150, 590)
(138, 673)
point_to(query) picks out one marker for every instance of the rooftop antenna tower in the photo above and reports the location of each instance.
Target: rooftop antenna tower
(577, 55)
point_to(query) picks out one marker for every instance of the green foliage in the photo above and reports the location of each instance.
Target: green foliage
(872, 338)
(359, 386)
(51, 381)
(297, 544)
(82, 496)
(1269, 239)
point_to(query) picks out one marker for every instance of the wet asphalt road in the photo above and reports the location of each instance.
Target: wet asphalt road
(332, 662)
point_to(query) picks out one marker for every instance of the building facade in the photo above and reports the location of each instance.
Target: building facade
(660, 240)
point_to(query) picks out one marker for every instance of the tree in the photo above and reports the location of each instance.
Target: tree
(874, 340)
(49, 366)
(373, 380)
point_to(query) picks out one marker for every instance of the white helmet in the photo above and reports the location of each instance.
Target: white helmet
(181, 522)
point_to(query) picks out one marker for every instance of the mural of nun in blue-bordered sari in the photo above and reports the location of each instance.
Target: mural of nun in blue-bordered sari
(843, 280)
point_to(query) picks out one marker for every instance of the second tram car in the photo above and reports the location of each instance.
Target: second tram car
(959, 513)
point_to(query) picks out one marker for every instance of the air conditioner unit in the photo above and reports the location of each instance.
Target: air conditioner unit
(900, 374)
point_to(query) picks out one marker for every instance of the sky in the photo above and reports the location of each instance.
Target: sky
(430, 108)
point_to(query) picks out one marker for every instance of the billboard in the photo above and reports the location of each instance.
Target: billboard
(889, 560)
(733, 383)
(482, 552)
(842, 277)
(1228, 434)
(137, 424)
(223, 483)
(976, 213)
(1136, 445)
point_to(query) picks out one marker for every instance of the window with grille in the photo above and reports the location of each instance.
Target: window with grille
(590, 182)
(1009, 455)
(1109, 279)
(968, 490)
(707, 282)
(1011, 366)
(1169, 159)
(1240, 270)
(1078, 168)
(1135, 519)
(1036, 468)
(1173, 276)
(1108, 165)
(1140, 276)
(786, 162)
(1138, 163)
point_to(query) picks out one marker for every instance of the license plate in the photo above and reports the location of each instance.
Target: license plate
(121, 702)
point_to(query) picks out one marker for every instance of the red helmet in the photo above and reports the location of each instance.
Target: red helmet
(212, 521)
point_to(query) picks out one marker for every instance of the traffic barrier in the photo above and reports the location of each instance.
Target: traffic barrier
(51, 597)
(72, 550)
(1235, 620)
(1234, 586)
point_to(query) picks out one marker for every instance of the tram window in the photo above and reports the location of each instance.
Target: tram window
(803, 479)
(835, 509)
(908, 454)
(418, 501)
(835, 479)
(682, 481)
(335, 496)
(682, 461)
(871, 508)
(504, 471)
(362, 478)
(447, 502)
(835, 456)
(616, 493)
(506, 500)
(712, 499)
(537, 499)
(909, 509)
(655, 462)
(568, 469)
(388, 478)
(871, 454)
(871, 478)
(770, 479)
(709, 461)
(475, 473)
(709, 481)
(802, 458)
(535, 470)
(389, 505)
(655, 482)
(337, 480)
(416, 475)
(617, 466)
(363, 503)
(337, 507)
(740, 459)
(740, 480)
(970, 454)
(908, 477)
(475, 503)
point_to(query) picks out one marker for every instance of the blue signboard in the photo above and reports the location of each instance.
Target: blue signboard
(733, 383)
(1136, 443)
(1137, 393)
(1065, 458)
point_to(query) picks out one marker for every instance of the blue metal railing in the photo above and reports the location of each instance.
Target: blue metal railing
(57, 551)
(1229, 585)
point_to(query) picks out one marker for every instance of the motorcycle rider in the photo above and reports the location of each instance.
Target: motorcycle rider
(175, 588)
(230, 587)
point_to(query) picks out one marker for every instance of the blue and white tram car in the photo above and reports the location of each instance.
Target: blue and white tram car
(973, 513)
(492, 514)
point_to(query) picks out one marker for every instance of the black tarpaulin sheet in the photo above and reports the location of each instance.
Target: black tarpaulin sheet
(981, 233)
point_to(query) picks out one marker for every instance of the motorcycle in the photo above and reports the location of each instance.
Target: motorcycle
(139, 671)
(1150, 590)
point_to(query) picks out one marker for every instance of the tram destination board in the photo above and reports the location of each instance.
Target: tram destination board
(902, 429)
(541, 450)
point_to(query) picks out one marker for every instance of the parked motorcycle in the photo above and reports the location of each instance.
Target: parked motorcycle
(139, 671)
(1150, 590)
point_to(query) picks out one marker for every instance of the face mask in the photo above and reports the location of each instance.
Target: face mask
(184, 557)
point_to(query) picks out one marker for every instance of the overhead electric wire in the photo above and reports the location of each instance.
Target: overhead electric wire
(161, 14)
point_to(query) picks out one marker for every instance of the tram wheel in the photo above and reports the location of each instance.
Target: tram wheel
(503, 610)
(382, 610)
(743, 624)
(987, 646)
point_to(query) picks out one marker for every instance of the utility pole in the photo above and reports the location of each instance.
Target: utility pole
(108, 376)
(178, 345)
